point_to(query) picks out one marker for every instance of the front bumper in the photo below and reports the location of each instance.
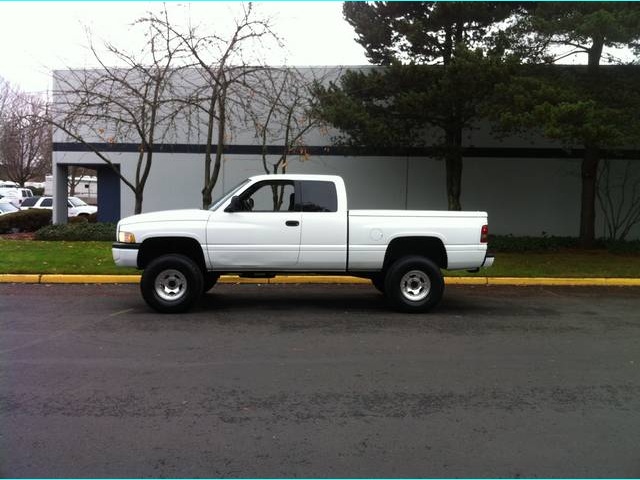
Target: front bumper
(125, 254)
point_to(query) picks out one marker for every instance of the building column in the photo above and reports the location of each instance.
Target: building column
(60, 193)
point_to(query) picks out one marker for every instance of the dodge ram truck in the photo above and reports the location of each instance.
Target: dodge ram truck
(277, 224)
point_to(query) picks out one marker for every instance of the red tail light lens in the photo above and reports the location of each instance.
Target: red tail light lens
(484, 234)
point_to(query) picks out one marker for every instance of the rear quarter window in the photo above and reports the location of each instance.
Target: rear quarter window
(29, 201)
(319, 196)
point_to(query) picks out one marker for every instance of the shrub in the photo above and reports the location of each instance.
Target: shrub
(509, 243)
(623, 247)
(78, 219)
(78, 231)
(93, 218)
(25, 221)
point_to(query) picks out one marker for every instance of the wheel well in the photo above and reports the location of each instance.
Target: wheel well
(154, 247)
(429, 247)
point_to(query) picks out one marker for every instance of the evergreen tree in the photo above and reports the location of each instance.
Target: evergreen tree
(441, 66)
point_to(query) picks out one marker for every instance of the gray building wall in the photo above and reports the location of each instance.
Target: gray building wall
(523, 196)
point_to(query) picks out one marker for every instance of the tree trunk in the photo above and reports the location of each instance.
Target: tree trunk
(213, 178)
(139, 197)
(588, 199)
(453, 163)
(590, 164)
(206, 191)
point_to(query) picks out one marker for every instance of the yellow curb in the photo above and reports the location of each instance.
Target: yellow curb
(89, 278)
(318, 279)
(19, 278)
(622, 282)
(465, 280)
(549, 281)
(329, 279)
(236, 279)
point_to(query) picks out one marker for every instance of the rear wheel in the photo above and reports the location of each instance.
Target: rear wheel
(414, 284)
(171, 283)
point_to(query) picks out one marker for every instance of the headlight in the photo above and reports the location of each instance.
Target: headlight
(126, 237)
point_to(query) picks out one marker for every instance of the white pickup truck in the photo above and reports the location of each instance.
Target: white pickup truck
(272, 224)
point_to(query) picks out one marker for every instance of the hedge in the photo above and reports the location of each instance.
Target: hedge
(78, 231)
(511, 244)
(25, 221)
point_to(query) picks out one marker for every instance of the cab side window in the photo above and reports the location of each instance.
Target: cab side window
(270, 196)
(319, 196)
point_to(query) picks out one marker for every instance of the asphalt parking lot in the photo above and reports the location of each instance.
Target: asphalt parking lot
(320, 381)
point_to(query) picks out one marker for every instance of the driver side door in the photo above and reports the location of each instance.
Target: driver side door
(264, 235)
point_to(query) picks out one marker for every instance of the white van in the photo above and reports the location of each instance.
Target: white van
(12, 194)
(15, 195)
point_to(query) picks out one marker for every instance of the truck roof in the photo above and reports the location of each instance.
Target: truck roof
(298, 176)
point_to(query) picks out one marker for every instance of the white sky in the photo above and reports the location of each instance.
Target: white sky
(37, 37)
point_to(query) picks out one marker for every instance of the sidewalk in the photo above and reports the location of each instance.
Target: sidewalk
(330, 279)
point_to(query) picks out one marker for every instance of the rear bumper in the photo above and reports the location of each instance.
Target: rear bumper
(488, 260)
(125, 254)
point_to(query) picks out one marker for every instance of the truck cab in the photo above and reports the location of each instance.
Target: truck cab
(293, 223)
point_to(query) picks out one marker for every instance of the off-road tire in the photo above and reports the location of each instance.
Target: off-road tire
(171, 283)
(414, 284)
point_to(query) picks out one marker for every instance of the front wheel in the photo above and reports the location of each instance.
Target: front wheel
(414, 284)
(171, 283)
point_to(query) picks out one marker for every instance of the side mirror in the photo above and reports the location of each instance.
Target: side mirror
(235, 205)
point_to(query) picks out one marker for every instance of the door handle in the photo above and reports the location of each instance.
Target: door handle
(292, 223)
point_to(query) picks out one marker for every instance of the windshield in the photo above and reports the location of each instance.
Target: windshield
(7, 207)
(226, 196)
(76, 202)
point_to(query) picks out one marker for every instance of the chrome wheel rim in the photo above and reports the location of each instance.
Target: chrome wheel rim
(415, 285)
(170, 285)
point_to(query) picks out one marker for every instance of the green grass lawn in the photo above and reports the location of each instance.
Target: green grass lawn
(569, 263)
(27, 256)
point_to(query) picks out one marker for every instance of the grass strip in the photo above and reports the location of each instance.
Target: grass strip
(59, 257)
(30, 256)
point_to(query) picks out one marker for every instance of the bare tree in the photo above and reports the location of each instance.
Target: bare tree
(5, 90)
(280, 110)
(131, 103)
(221, 68)
(25, 136)
(619, 198)
(76, 176)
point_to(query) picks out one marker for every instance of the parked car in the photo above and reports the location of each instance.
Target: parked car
(7, 207)
(76, 207)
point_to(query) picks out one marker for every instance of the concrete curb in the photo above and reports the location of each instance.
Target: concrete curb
(330, 279)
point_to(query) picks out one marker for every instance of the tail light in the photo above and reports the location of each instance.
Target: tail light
(484, 234)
